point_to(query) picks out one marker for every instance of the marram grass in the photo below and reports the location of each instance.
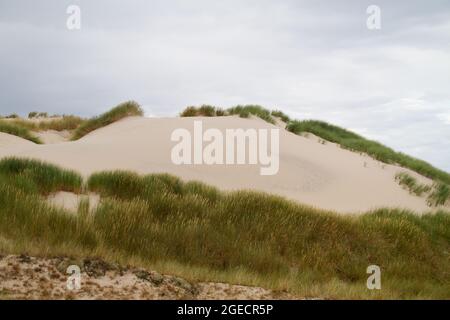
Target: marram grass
(17, 130)
(196, 231)
(125, 109)
(354, 142)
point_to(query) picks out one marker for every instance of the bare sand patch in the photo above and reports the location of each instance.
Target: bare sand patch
(25, 277)
(53, 136)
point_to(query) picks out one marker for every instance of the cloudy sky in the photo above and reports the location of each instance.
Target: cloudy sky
(312, 59)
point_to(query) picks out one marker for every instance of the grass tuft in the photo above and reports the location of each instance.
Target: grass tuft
(280, 114)
(410, 183)
(66, 122)
(38, 177)
(354, 142)
(19, 131)
(202, 111)
(246, 110)
(123, 110)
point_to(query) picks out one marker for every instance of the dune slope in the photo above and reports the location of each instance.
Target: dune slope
(321, 175)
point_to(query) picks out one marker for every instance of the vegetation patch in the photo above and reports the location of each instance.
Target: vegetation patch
(246, 110)
(66, 122)
(354, 142)
(280, 114)
(410, 183)
(36, 177)
(203, 111)
(123, 110)
(17, 130)
(437, 194)
(244, 237)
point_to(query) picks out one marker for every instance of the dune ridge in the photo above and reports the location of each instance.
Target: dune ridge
(320, 175)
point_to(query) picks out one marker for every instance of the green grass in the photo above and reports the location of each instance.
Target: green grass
(200, 233)
(123, 110)
(66, 122)
(354, 142)
(410, 183)
(437, 194)
(37, 177)
(17, 130)
(280, 114)
(203, 111)
(245, 110)
(242, 111)
(440, 194)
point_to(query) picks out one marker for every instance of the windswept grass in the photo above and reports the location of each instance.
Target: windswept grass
(437, 194)
(203, 111)
(246, 110)
(242, 111)
(354, 142)
(243, 237)
(18, 131)
(440, 194)
(126, 185)
(123, 110)
(34, 176)
(404, 179)
(66, 122)
(280, 114)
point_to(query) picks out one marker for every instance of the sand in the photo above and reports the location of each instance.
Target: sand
(321, 175)
(53, 136)
(26, 277)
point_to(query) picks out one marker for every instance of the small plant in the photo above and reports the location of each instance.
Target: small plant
(410, 183)
(440, 194)
(207, 111)
(244, 114)
(245, 111)
(220, 112)
(12, 116)
(189, 112)
(279, 114)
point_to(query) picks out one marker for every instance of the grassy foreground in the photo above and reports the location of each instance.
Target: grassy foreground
(200, 233)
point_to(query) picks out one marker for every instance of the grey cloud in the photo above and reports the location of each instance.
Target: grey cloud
(314, 59)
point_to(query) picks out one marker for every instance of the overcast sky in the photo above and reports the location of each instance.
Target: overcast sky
(311, 59)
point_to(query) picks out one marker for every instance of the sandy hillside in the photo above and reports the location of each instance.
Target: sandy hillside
(321, 175)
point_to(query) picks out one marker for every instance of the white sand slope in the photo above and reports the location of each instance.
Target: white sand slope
(321, 175)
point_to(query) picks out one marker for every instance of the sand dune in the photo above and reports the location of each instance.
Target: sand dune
(321, 175)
